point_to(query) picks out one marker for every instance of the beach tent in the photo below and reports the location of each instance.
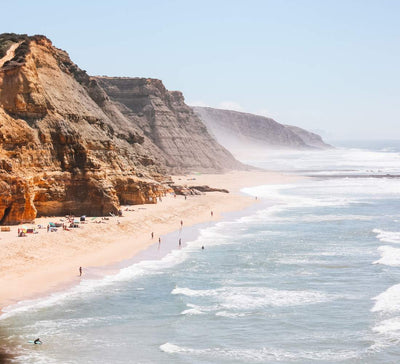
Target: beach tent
(26, 229)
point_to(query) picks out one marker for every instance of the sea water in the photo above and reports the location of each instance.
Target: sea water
(311, 275)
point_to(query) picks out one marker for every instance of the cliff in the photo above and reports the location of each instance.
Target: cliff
(75, 144)
(235, 130)
(169, 123)
(67, 148)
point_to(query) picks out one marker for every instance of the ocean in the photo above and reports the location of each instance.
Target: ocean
(309, 275)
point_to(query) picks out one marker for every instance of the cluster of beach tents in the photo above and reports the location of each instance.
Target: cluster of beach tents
(51, 226)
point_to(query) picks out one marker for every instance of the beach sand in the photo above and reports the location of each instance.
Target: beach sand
(41, 263)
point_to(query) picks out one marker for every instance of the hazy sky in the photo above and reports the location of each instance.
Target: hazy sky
(329, 66)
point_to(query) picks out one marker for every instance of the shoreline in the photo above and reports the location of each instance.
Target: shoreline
(41, 264)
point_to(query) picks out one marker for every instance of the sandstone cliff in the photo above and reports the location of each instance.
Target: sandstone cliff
(238, 130)
(75, 144)
(169, 123)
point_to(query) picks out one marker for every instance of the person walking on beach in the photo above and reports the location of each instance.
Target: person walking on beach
(152, 235)
(180, 242)
(80, 271)
(181, 223)
(212, 214)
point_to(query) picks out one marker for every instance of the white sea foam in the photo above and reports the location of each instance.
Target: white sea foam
(388, 236)
(248, 298)
(261, 354)
(171, 348)
(192, 311)
(194, 293)
(389, 327)
(388, 301)
(388, 334)
(389, 256)
(198, 310)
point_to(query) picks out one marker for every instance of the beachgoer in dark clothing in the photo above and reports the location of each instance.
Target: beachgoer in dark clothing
(181, 222)
(180, 242)
(212, 214)
(37, 341)
(202, 248)
(80, 271)
(159, 240)
(152, 235)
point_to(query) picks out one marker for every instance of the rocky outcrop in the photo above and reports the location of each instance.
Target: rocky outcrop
(195, 190)
(169, 123)
(65, 148)
(206, 188)
(236, 130)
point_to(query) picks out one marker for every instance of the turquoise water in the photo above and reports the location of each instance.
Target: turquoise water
(311, 276)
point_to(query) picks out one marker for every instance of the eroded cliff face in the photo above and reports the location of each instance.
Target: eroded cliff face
(236, 130)
(64, 146)
(169, 123)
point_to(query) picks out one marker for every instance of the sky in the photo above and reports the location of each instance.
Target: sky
(330, 66)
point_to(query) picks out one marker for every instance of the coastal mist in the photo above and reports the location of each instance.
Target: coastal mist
(308, 275)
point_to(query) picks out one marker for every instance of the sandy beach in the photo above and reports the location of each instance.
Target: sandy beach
(38, 264)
